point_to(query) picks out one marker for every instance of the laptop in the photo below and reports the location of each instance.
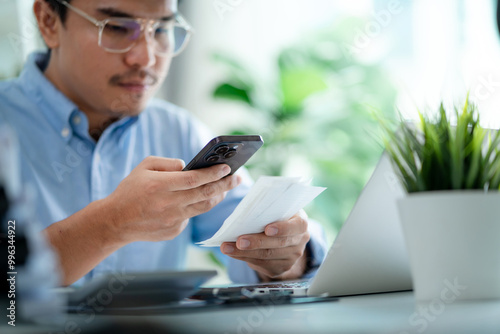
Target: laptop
(369, 253)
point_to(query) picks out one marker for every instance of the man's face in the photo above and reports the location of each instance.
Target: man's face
(104, 83)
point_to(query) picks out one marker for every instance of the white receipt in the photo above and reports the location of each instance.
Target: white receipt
(271, 198)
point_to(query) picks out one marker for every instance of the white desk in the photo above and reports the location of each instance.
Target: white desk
(382, 313)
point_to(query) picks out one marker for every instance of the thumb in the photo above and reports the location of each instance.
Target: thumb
(161, 164)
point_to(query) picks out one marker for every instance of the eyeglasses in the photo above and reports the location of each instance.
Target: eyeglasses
(120, 34)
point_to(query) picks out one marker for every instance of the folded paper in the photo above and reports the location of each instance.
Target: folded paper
(272, 198)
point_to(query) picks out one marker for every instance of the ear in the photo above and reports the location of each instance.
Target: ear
(49, 23)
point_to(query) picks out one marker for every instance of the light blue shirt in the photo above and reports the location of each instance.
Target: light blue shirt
(68, 169)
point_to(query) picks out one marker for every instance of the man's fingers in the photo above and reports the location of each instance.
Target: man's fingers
(184, 180)
(161, 164)
(208, 191)
(269, 254)
(293, 226)
(260, 241)
(204, 198)
(203, 206)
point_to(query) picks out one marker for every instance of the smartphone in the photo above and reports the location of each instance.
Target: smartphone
(230, 150)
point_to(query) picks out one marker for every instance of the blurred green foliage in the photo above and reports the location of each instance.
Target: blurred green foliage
(315, 116)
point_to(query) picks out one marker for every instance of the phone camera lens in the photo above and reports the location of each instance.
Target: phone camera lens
(230, 154)
(222, 149)
(212, 158)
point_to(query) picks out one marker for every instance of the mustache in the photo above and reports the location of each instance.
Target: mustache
(144, 75)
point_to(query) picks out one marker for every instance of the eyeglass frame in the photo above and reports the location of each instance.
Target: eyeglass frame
(180, 22)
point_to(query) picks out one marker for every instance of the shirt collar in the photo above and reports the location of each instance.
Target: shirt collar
(56, 107)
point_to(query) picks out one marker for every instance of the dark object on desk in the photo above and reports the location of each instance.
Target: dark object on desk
(247, 298)
(498, 15)
(205, 303)
(131, 290)
(4, 203)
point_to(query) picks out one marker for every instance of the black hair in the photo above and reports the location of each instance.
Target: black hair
(59, 8)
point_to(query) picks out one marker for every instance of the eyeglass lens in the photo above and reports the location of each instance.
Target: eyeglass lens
(120, 35)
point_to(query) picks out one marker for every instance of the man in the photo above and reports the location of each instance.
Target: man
(106, 160)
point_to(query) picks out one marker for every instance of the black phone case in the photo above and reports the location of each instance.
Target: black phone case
(231, 150)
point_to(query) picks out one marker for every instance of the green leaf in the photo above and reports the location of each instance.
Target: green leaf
(215, 260)
(298, 84)
(474, 173)
(231, 92)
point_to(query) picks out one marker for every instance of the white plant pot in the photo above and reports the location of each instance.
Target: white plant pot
(453, 241)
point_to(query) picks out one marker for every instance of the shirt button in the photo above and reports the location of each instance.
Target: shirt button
(65, 132)
(77, 119)
(97, 158)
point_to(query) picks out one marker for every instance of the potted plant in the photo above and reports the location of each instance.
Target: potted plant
(450, 168)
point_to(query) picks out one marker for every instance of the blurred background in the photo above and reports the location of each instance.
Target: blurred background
(308, 75)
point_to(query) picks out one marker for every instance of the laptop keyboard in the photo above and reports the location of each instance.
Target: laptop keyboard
(282, 285)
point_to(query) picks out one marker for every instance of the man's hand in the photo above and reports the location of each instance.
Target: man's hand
(152, 203)
(278, 253)
(156, 200)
